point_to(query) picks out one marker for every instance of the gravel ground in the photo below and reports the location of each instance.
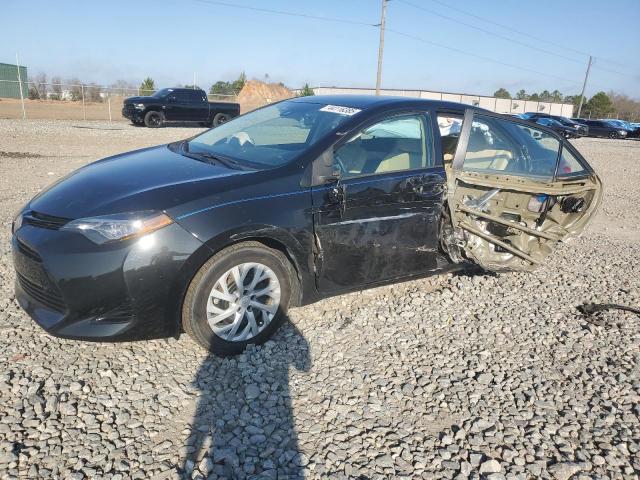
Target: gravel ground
(456, 376)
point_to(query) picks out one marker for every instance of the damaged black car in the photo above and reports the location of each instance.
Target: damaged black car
(218, 235)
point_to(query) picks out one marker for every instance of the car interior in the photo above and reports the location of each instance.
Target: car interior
(384, 147)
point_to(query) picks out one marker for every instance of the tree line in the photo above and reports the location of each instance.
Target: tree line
(223, 88)
(600, 105)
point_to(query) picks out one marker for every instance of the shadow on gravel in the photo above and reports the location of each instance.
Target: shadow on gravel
(96, 128)
(471, 270)
(243, 422)
(175, 125)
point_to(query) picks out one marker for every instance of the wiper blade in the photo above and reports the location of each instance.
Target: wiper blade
(227, 162)
(216, 158)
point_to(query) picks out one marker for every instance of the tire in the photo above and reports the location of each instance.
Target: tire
(154, 119)
(613, 135)
(199, 298)
(219, 119)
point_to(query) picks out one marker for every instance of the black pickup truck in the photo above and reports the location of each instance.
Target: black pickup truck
(178, 105)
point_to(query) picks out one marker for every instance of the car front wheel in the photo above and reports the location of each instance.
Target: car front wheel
(239, 296)
(154, 119)
(613, 135)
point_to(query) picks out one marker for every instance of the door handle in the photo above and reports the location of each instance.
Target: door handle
(337, 195)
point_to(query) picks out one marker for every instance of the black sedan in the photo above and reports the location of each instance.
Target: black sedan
(557, 127)
(219, 234)
(602, 128)
(578, 129)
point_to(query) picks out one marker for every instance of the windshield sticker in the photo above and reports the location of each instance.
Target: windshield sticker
(340, 110)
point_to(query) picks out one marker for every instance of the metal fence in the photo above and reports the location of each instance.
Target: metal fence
(69, 101)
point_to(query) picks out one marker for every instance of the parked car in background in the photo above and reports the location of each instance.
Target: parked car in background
(557, 127)
(217, 235)
(632, 132)
(178, 105)
(578, 129)
(602, 128)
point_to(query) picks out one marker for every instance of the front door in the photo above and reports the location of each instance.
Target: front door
(515, 191)
(177, 108)
(376, 213)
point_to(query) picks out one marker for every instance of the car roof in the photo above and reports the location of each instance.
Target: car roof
(182, 89)
(373, 101)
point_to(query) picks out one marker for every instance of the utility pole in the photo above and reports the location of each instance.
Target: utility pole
(584, 85)
(381, 46)
(24, 112)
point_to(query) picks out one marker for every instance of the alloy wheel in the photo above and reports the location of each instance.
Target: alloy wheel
(243, 302)
(221, 119)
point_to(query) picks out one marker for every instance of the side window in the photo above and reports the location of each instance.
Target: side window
(569, 165)
(395, 144)
(196, 96)
(500, 146)
(182, 96)
(449, 126)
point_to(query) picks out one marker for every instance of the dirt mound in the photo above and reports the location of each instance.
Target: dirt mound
(255, 94)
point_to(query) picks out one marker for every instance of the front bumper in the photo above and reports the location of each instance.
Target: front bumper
(131, 113)
(125, 290)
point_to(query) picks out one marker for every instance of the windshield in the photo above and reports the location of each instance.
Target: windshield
(271, 136)
(162, 92)
(615, 123)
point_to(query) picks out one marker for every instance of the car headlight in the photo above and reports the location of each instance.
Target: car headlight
(121, 226)
(17, 222)
(138, 106)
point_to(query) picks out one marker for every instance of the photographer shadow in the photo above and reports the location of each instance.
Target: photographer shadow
(243, 423)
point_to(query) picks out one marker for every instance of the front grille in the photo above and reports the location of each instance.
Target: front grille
(27, 251)
(43, 220)
(48, 298)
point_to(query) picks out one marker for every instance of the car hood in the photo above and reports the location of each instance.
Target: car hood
(142, 99)
(154, 178)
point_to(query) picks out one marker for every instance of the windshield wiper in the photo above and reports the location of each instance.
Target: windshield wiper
(210, 157)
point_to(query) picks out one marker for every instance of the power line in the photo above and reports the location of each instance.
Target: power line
(289, 14)
(489, 32)
(534, 37)
(481, 57)
(397, 32)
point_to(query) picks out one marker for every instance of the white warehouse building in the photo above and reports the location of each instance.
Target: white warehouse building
(499, 105)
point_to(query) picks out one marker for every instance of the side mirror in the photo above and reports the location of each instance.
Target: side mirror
(172, 99)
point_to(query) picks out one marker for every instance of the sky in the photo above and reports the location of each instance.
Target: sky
(425, 48)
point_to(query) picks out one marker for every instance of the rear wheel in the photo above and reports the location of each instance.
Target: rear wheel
(240, 296)
(154, 119)
(219, 119)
